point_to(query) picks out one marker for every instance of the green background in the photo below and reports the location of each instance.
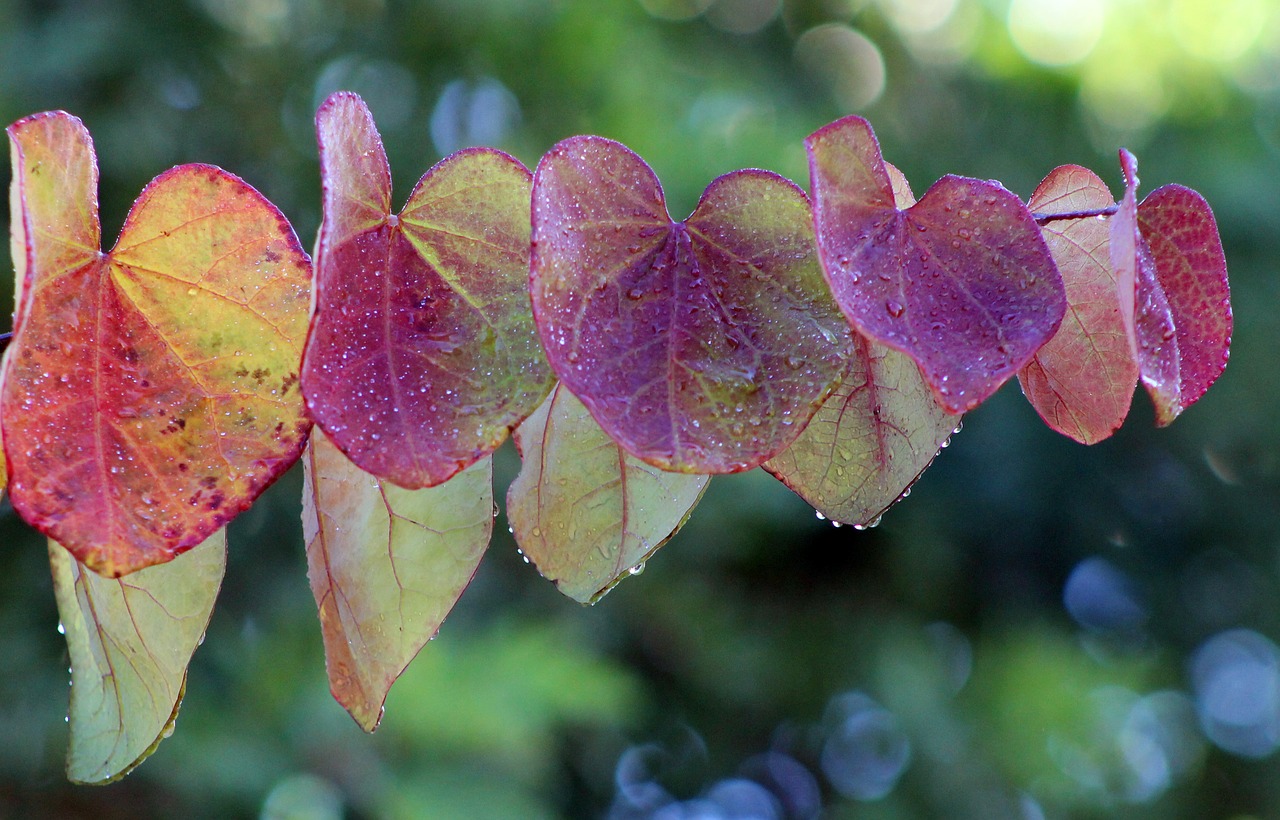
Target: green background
(1040, 630)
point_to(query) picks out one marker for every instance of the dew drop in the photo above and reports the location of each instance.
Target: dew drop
(820, 516)
(894, 308)
(637, 569)
(62, 630)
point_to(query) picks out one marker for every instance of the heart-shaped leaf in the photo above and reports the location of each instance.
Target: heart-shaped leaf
(873, 436)
(1171, 277)
(149, 393)
(870, 440)
(701, 346)
(582, 509)
(130, 641)
(386, 566)
(422, 354)
(961, 281)
(1081, 382)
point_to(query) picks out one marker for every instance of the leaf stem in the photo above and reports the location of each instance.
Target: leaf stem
(1044, 219)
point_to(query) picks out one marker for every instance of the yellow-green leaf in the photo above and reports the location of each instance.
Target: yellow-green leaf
(386, 565)
(130, 640)
(585, 511)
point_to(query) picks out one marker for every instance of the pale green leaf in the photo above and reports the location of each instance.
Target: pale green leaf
(386, 565)
(584, 511)
(130, 640)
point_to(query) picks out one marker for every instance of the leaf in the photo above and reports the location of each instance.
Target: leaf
(1081, 382)
(961, 281)
(583, 510)
(148, 394)
(130, 641)
(873, 436)
(386, 565)
(422, 354)
(1171, 278)
(870, 440)
(702, 346)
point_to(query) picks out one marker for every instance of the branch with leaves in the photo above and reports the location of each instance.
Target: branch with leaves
(151, 393)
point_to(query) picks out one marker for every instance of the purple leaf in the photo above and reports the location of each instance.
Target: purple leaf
(700, 346)
(961, 281)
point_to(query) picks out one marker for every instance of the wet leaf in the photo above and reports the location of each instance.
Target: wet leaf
(1081, 382)
(870, 440)
(386, 565)
(583, 510)
(873, 436)
(702, 346)
(130, 640)
(961, 281)
(1171, 277)
(422, 354)
(149, 394)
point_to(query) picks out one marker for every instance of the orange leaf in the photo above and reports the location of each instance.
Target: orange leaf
(1081, 382)
(149, 394)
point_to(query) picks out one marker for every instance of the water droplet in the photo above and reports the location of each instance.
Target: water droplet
(637, 569)
(62, 630)
(894, 308)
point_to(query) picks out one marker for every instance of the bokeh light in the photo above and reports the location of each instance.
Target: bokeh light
(1056, 32)
(866, 751)
(845, 61)
(1236, 679)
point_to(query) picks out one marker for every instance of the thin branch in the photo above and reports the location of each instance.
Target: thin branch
(1044, 219)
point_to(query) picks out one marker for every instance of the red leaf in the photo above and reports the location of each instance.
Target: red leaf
(961, 281)
(148, 394)
(422, 354)
(1171, 278)
(702, 346)
(1081, 382)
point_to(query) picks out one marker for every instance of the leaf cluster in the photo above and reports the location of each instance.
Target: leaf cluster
(152, 392)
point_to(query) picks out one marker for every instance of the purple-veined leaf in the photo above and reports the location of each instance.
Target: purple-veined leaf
(702, 346)
(961, 281)
(422, 354)
(869, 441)
(130, 640)
(583, 510)
(1081, 382)
(873, 436)
(386, 565)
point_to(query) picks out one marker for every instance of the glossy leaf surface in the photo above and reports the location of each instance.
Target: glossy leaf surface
(873, 436)
(149, 394)
(1171, 278)
(422, 354)
(1081, 382)
(130, 640)
(961, 281)
(386, 565)
(583, 510)
(870, 440)
(701, 346)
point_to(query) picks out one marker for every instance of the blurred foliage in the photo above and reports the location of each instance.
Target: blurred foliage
(1040, 630)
